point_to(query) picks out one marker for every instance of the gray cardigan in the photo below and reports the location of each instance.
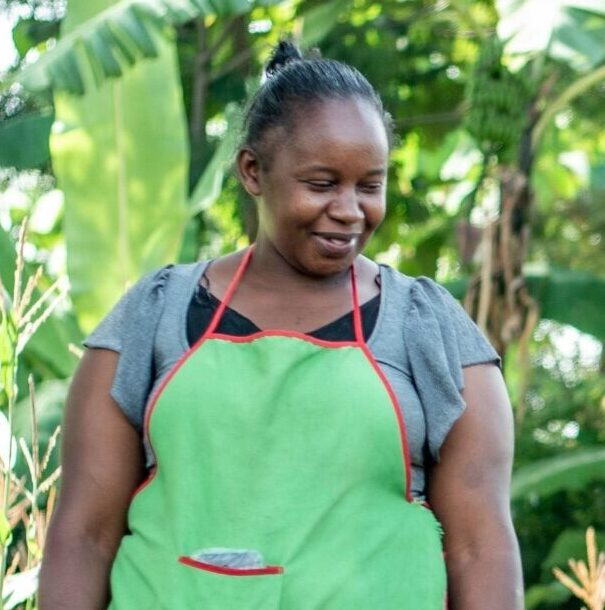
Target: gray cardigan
(422, 339)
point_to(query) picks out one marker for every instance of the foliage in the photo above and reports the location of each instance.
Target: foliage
(110, 39)
(21, 315)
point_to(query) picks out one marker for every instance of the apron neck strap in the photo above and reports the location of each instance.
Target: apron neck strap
(234, 283)
(357, 324)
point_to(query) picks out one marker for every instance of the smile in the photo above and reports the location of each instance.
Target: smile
(335, 244)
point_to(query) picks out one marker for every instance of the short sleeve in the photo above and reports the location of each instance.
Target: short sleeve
(442, 339)
(129, 329)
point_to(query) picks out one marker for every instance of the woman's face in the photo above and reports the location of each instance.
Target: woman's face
(323, 194)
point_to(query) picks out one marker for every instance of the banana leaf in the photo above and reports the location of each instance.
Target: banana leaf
(120, 154)
(109, 37)
(547, 476)
(318, 21)
(571, 297)
(209, 186)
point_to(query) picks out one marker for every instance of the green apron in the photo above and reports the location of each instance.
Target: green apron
(286, 445)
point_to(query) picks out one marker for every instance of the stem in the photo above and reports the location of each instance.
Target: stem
(33, 524)
(573, 91)
(12, 398)
(198, 103)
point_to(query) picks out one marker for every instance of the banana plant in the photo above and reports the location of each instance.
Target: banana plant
(119, 146)
(109, 39)
(120, 155)
(567, 471)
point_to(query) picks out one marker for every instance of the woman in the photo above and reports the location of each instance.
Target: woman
(297, 403)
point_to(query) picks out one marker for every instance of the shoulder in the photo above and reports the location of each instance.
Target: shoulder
(140, 307)
(435, 320)
(130, 330)
(418, 285)
(421, 293)
(421, 290)
(159, 280)
(171, 281)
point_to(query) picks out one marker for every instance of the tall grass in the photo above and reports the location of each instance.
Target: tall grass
(27, 501)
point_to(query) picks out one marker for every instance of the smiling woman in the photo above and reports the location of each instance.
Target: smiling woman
(264, 430)
(323, 195)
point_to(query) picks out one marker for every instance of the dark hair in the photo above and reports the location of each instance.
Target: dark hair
(291, 81)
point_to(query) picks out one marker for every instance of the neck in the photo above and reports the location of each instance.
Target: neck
(269, 268)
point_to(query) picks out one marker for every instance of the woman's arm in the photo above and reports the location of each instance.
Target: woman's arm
(102, 465)
(469, 492)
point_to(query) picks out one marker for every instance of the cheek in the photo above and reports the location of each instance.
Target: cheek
(375, 213)
(305, 208)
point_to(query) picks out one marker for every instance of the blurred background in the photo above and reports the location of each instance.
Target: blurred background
(118, 124)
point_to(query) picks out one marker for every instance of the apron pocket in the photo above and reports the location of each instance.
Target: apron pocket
(217, 588)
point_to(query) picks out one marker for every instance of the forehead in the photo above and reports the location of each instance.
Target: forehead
(335, 127)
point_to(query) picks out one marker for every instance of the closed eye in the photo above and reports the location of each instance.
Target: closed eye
(320, 185)
(371, 187)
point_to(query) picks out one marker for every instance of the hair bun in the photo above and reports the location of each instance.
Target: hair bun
(285, 53)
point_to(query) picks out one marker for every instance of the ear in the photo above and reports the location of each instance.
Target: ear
(248, 169)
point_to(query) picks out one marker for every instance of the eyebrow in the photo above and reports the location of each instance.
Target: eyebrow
(380, 171)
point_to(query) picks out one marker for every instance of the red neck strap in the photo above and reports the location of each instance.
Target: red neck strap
(234, 283)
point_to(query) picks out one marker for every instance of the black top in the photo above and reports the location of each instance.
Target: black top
(204, 304)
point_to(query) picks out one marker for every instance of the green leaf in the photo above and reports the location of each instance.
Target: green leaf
(122, 163)
(553, 594)
(105, 33)
(5, 529)
(8, 256)
(554, 28)
(210, 183)
(28, 33)
(320, 20)
(7, 343)
(580, 43)
(24, 141)
(547, 476)
(597, 177)
(139, 35)
(50, 344)
(570, 297)
(570, 544)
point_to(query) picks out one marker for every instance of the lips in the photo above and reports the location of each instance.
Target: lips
(335, 244)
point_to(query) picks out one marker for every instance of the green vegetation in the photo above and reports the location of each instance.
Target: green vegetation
(116, 140)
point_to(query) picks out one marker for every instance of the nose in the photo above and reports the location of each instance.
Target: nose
(346, 208)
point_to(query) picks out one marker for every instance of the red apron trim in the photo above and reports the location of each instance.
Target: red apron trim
(405, 450)
(144, 483)
(208, 567)
(233, 284)
(283, 333)
(357, 324)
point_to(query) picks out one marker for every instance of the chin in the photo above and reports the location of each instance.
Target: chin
(326, 267)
